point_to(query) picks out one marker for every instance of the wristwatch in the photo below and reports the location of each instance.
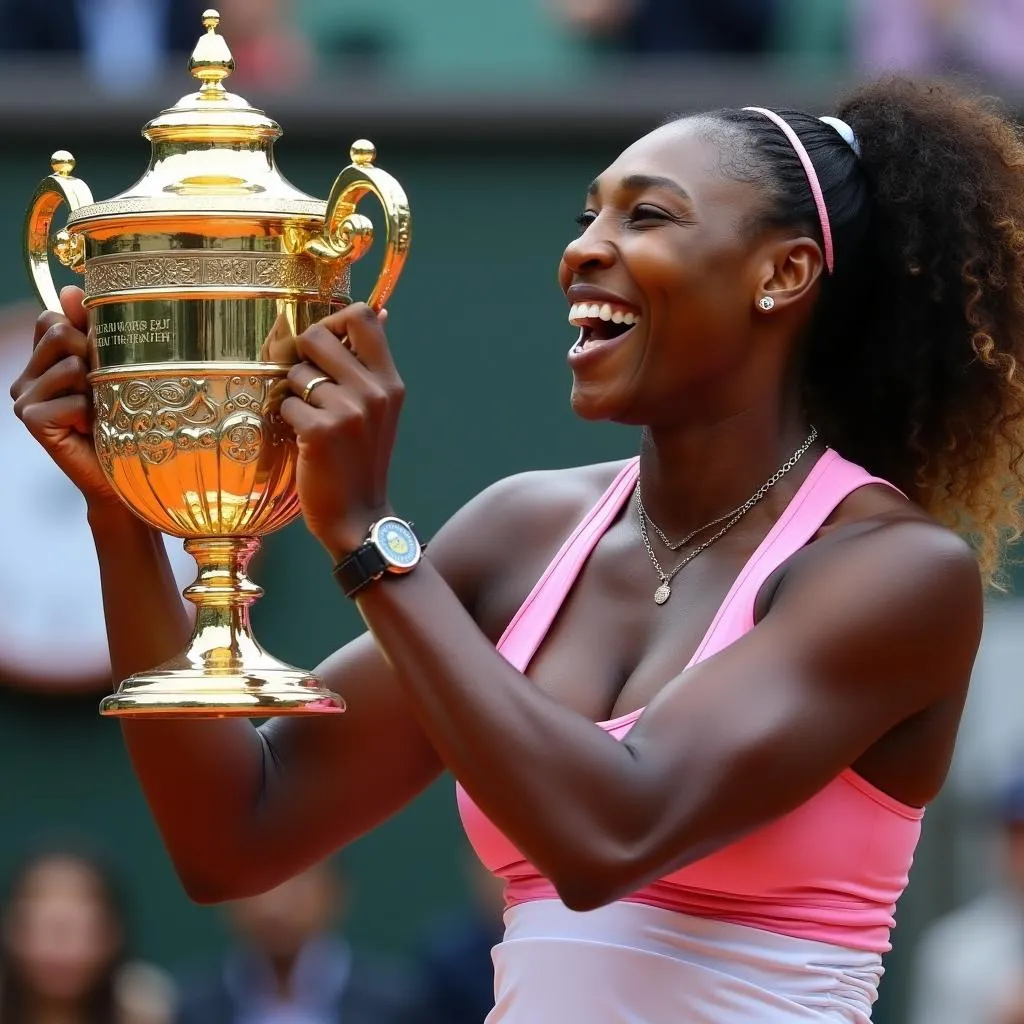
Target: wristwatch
(390, 547)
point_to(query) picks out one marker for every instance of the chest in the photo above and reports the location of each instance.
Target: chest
(609, 648)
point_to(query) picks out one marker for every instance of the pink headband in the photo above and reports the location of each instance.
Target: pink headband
(812, 178)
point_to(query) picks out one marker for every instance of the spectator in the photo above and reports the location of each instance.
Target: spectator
(122, 43)
(64, 955)
(977, 37)
(969, 964)
(673, 26)
(289, 969)
(456, 973)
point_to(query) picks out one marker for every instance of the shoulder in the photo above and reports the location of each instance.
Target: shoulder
(896, 544)
(891, 587)
(524, 496)
(516, 517)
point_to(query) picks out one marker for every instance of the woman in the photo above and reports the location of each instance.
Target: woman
(63, 952)
(774, 643)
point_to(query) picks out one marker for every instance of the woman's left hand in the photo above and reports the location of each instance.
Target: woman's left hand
(345, 426)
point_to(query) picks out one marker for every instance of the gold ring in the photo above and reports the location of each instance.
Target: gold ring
(308, 389)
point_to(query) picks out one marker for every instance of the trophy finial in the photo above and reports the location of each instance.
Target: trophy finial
(62, 163)
(362, 153)
(211, 61)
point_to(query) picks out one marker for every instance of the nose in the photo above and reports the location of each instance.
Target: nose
(592, 250)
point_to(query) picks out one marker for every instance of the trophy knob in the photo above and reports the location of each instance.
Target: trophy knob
(363, 153)
(62, 163)
(211, 61)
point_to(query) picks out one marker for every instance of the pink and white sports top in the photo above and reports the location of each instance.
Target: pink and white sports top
(831, 870)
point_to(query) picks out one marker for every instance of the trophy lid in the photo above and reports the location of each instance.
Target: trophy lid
(212, 152)
(212, 113)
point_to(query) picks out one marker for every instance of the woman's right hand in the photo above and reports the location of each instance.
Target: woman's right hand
(53, 399)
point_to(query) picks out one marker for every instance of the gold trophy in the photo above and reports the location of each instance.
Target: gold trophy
(196, 279)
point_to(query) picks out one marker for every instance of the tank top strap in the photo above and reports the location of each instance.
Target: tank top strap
(530, 624)
(830, 481)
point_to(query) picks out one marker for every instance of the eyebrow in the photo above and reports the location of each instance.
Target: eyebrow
(638, 182)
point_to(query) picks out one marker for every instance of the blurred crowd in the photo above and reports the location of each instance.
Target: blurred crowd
(66, 957)
(279, 44)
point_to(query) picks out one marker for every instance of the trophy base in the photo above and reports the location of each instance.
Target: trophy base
(177, 691)
(223, 671)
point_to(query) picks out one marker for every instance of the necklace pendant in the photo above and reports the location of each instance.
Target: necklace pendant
(662, 594)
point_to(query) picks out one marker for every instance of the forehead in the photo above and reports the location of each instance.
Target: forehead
(691, 152)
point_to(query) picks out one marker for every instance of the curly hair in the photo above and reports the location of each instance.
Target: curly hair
(913, 361)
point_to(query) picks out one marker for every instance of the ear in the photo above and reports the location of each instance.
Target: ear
(791, 269)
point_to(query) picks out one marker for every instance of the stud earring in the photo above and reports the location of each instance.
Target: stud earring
(766, 302)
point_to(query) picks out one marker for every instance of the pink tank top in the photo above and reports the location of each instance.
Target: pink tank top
(832, 869)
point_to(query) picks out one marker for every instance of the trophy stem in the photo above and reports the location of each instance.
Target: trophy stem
(223, 669)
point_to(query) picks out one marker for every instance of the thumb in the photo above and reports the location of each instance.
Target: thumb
(71, 302)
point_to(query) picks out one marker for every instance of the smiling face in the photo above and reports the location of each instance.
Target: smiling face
(666, 243)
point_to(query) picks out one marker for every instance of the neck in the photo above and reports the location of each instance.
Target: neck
(693, 474)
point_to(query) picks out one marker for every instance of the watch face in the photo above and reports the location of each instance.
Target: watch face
(397, 544)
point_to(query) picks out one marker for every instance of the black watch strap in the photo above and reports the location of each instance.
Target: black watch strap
(362, 567)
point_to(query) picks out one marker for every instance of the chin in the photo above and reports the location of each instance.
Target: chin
(599, 406)
(590, 406)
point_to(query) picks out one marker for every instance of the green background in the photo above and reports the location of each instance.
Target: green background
(479, 331)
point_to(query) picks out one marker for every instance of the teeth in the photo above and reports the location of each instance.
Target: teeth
(601, 311)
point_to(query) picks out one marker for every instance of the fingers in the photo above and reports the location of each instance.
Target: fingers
(318, 426)
(302, 375)
(44, 322)
(68, 376)
(74, 313)
(67, 412)
(356, 326)
(56, 339)
(71, 301)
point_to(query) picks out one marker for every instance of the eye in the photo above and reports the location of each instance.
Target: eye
(643, 212)
(585, 219)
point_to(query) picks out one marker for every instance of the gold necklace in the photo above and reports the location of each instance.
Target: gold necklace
(664, 590)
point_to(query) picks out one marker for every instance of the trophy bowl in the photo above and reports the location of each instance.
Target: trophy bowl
(197, 280)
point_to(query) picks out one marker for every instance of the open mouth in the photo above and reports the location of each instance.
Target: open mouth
(600, 322)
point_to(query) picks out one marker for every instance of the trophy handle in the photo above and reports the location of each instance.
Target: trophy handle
(53, 190)
(347, 234)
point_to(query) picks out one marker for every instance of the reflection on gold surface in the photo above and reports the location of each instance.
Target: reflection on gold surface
(197, 280)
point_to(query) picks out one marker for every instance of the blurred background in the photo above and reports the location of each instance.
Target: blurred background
(494, 116)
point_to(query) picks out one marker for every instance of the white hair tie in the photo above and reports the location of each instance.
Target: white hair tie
(845, 131)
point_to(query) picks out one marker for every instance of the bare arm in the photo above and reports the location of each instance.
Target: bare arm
(239, 808)
(864, 637)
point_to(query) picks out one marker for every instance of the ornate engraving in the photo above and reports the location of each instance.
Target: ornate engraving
(185, 270)
(197, 270)
(242, 437)
(227, 270)
(156, 418)
(107, 277)
(297, 273)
